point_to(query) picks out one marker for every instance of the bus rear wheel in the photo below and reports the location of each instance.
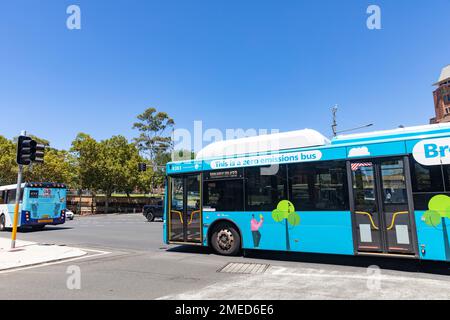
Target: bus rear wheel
(225, 239)
(2, 223)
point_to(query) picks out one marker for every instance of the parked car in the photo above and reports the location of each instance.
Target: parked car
(69, 214)
(152, 211)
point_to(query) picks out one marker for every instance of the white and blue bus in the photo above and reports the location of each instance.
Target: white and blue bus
(40, 204)
(384, 193)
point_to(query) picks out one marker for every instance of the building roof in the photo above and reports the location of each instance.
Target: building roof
(263, 143)
(445, 75)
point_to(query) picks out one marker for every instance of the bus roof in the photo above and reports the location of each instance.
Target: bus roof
(307, 145)
(263, 143)
(404, 133)
(34, 185)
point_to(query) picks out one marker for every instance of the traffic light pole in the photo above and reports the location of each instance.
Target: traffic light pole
(16, 207)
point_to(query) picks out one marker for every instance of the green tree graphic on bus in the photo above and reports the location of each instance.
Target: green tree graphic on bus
(285, 212)
(438, 210)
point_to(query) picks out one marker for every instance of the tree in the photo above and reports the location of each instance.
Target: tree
(147, 181)
(57, 167)
(118, 167)
(86, 152)
(8, 166)
(153, 139)
(285, 211)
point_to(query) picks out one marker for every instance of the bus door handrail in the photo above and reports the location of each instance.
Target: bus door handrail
(370, 217)
(179, 213)
(192, 215)
(395, 217)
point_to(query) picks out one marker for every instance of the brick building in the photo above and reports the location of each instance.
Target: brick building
(442, 97)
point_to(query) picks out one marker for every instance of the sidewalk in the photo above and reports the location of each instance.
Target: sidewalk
(30, 253)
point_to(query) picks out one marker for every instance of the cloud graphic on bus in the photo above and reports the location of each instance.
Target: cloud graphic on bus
(359, 152)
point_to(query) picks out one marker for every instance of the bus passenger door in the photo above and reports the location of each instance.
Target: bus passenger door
(366, 218)
(193, 211)
(395, 207)
(184, 214)
(381, 206)
(176, 209)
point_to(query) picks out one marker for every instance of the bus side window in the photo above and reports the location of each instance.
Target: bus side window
(2, 197)
(12, 196)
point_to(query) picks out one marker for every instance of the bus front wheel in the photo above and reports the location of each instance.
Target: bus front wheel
(2, 223)
(225, 239)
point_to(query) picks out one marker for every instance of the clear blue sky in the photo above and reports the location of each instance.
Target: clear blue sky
(232, 64)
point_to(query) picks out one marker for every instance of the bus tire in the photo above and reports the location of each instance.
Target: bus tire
(225, 239)
(2, 223)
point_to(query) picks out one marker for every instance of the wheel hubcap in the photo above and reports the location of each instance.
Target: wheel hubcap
(225, 239)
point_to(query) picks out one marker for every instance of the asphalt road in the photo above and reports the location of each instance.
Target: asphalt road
(135, 264)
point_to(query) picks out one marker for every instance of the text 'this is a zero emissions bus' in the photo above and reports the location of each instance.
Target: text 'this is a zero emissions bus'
(40, 204)
(384, 193)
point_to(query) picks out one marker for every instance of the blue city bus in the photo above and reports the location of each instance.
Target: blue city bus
(384, 193)
(40, 204)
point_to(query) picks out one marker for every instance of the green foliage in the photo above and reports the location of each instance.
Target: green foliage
(153, 140)
(286, 210)
(441, 204)
(57, 167)
(439, 207)
(108, 166)
(8, 166)
(86, 152)
(105, 166)
(278, 215)
(432, 218)
(293, 219)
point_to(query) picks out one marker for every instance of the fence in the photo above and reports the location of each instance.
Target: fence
(86, 205)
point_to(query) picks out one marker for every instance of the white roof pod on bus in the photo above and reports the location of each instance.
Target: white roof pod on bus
(11, 187)
(263, 143)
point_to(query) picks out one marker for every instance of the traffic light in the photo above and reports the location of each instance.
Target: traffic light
(142, 167)
(37, 152)
(28, 151)
(24, 150)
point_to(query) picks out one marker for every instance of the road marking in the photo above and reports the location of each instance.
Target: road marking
(98, 253)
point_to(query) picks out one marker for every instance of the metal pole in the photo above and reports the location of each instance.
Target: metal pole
(16, 208)
(334, 125)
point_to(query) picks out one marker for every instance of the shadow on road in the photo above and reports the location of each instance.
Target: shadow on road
(396, 264)
(190, 249)
(46, 229)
